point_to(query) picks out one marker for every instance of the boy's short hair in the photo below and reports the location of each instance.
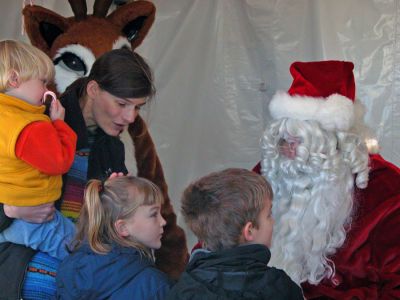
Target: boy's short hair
(218, 206)
(26, 60)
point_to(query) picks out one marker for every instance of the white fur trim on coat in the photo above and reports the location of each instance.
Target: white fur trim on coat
(335, 112)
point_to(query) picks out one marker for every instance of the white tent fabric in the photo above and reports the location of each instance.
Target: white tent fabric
(217, 63)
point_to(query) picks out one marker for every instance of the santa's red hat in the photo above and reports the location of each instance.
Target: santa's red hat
(322, 91)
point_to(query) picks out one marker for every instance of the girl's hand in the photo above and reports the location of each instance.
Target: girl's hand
(57, 111)
(33, 214)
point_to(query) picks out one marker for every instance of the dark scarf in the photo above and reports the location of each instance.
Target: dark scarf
(107, 154)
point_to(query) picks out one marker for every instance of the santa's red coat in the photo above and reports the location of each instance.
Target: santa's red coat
(368, 263)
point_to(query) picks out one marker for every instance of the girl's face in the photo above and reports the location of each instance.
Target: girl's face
(111, 113)
(145, 226)
(30, 91)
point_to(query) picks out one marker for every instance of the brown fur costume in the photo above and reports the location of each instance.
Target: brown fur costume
(51, 32)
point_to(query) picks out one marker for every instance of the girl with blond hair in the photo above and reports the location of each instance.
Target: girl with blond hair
(119, 227)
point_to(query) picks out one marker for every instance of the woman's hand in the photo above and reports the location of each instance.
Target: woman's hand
(33, 214)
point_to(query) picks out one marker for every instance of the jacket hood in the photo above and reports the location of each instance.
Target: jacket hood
(90, 271)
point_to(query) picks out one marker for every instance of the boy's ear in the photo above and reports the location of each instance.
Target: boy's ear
(247, 232)
(120, 227)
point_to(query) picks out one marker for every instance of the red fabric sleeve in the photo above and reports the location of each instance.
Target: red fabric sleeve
(368, 264)
(47, 146)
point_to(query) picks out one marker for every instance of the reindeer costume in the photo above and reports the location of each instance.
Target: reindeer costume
(73, 44)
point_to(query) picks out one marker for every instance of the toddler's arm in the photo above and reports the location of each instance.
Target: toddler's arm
(47, 146)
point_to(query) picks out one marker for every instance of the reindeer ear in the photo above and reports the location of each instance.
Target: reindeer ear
(43, 26)
(134, 20)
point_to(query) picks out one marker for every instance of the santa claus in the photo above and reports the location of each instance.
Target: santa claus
(336, 208)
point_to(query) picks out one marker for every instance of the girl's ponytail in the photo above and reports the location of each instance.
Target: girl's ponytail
(95, 216)
(90, 227)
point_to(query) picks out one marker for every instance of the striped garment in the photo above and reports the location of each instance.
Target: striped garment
(75, 185)
(40, 282)
(40, 278)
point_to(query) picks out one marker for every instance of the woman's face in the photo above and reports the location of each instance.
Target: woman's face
(111, 113)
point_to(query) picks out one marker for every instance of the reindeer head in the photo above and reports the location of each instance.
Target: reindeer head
(74, 43)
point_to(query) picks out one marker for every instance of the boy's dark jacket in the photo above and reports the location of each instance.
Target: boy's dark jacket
(123, 273)
(237, 273)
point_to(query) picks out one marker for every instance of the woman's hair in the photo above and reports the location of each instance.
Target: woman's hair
(122, 73)
(117, 199)
(218, 206)
(27, 61)
(313, 195)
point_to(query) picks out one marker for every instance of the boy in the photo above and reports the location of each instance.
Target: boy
(230, 212)
(35, 150)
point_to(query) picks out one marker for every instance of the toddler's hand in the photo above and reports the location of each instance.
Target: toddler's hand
(57, 111)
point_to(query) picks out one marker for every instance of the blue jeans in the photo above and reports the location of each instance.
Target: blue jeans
(51, 237)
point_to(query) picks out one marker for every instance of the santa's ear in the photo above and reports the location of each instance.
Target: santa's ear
(43, 26)
(120, 228)
(134, 20)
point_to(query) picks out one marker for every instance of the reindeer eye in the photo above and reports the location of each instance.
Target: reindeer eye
(72, 62)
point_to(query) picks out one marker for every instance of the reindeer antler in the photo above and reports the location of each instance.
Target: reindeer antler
(100, 8)
(79, 8)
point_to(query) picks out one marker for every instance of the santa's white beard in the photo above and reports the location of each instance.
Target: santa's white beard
(311, 210)
(313, 194)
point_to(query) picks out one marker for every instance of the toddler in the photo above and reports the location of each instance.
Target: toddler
(35, 149)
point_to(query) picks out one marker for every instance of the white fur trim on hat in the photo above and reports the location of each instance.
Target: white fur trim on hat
(335, 112)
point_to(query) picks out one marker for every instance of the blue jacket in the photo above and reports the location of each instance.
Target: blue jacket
(121, 274)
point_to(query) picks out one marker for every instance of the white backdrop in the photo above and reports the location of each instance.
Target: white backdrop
(218, 62)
